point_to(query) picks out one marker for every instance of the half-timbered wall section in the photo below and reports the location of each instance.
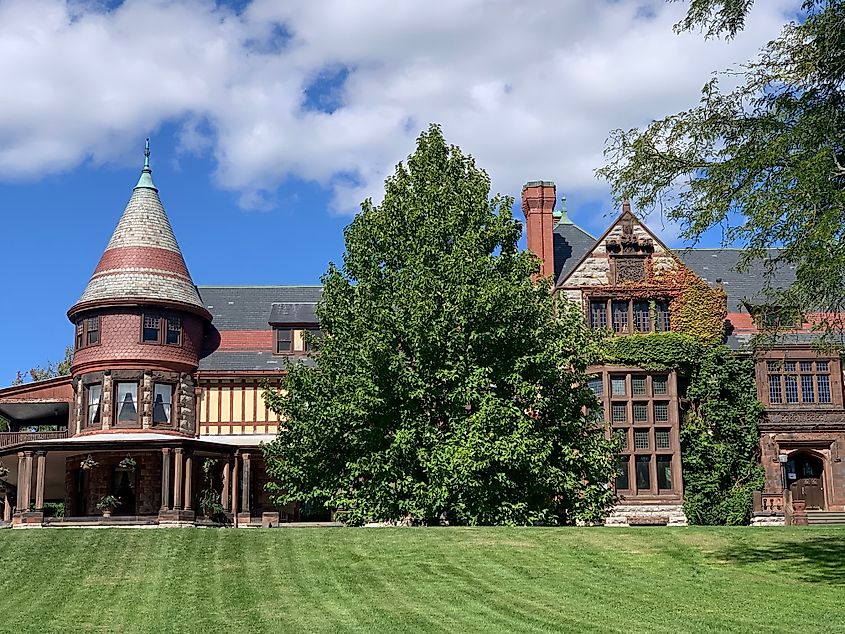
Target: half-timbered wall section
(233, 406)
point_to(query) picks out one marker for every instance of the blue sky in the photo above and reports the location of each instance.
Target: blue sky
(270, 122)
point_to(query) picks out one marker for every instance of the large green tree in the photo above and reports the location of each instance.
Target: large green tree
(448, 384)
(764, 161)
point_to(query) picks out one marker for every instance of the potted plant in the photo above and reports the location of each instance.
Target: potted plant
(127, 463)
(107, 504)
(88, 463)
(4, 470)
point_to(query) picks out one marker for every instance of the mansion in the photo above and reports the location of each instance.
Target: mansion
(161, 419)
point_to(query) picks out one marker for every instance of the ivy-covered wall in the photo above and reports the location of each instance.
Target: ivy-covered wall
(720, 442)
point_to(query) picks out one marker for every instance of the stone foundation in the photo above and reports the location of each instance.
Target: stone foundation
(647, 515)
(768, 520)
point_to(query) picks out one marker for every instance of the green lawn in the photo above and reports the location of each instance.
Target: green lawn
(445, 580)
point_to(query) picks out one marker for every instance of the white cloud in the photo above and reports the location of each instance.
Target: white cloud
(531, 89)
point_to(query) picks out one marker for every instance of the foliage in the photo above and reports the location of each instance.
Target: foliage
(698, 310)
(88, 462)
(764, 162)
(54, 509)
(720, 442)
(107, 503)
(4, 470)
(210, 494)
(127, 463)
(655, 352)
(49, 371)
(442, 389)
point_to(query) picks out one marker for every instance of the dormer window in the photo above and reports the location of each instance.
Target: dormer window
(292, 340)
(162, 329)
(87, 332)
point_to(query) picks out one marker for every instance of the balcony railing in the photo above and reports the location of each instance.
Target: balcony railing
(768, 502)
(16, 437)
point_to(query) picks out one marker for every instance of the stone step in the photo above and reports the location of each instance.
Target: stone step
(825, 517)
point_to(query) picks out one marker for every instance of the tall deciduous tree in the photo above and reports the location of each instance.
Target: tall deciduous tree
(764, 161)
(448, 384)
(49, 371)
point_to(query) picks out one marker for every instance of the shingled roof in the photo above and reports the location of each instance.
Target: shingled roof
(142, 261)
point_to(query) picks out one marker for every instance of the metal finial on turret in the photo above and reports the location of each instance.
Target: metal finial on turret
(146, 179)
(562, 215)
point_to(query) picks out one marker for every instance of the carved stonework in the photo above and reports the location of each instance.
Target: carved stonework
(627, 242)
(629, 270)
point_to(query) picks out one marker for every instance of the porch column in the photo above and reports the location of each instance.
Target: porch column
(165, 479)
(224, 494)
(246, 485)
(41, 463)
(178, 483)
(235, 481)
(7, 507)
(189, 473)
(24, 481)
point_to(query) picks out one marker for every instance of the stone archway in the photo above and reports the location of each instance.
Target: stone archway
(805, 477)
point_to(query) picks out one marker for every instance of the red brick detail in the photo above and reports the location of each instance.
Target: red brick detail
(143, 257)
(538, 202)
(120, 341)
(246, 340)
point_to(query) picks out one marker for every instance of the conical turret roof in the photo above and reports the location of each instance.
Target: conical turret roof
(142, 263)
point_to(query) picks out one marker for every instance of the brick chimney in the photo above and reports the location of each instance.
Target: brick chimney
(538, 202)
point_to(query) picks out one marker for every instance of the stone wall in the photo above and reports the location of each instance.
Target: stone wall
(647, 515)
(183, 404)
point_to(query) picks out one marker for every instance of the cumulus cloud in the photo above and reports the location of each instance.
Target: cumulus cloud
(336, 91)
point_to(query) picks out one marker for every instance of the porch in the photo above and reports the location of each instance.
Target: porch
(142, 479)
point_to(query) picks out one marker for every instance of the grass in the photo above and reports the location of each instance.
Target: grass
(423, 580)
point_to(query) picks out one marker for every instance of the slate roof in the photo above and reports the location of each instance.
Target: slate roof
(255, 308)
(251, 307)
(246, 361)
(748, 285)
(570, 244)
(142, 261)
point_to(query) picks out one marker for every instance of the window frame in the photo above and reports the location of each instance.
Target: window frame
(647, 430)
(659, 319)
(86, 406)
(164, 322)
(116, 422)
(153, 421)
(790, 373)
(83, 331)
(296, 333)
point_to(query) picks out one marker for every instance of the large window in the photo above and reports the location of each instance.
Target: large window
(642, 411)
(162, 401)
(799, 382)
(161, 329)
(629, 316)
(87, 332)
(126, 403)
(93, 394)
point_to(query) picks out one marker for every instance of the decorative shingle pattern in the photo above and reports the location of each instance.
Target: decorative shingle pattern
(144, 223)
(142, 260)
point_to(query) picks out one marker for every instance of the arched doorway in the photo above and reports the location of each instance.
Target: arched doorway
(805, 473)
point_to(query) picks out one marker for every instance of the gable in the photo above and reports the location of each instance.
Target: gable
(628, 253)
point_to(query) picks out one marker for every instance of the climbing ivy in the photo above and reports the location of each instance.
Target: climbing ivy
(720, 442)
(719, 437)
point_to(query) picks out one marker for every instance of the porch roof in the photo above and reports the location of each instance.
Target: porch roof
(139, 441)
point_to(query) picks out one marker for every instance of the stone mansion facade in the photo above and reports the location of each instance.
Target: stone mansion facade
(165, 391)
